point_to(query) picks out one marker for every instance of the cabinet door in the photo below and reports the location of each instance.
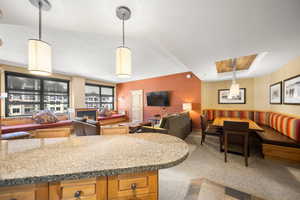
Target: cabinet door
(86, 189)
(133, 186)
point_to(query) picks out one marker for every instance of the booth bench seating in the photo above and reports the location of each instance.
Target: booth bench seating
(281, 138)
(27, 124)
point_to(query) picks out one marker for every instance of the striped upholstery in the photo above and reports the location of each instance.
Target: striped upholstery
(261, 117)
(287, 125)
(210, 114)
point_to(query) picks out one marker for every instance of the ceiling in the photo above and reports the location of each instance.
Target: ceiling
(166, 37)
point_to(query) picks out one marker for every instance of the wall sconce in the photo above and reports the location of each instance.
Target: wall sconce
(187, 106)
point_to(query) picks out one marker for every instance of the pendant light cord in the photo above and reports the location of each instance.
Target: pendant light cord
(123, 30)
(234, 70)
(40, 20)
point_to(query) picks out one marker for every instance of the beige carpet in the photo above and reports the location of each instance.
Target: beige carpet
(269, 180)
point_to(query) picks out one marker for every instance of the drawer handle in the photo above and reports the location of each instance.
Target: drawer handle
(133, 186)
(13, 199)
(77, 194)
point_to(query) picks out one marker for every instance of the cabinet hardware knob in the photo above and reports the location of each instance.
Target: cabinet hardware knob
(77, 194)
(133, 186)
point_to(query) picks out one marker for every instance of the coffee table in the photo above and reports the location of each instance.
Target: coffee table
(135, 126)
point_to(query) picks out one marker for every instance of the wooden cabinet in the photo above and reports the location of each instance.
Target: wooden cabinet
(133, 186)
(27, 192)
(137, 186)
(85, 189)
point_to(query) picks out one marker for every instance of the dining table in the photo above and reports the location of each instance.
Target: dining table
(219, 122)
(253, 128)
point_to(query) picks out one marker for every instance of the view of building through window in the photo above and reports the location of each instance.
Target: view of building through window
(97, 96)
(28, 94)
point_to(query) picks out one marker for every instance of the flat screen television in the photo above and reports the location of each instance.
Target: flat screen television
(160, 98)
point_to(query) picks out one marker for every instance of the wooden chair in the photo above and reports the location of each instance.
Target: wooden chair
(236, 128)
(52, 133)
(209, 130)
(117, 130)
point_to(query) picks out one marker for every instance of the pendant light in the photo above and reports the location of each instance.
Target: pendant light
(39, 52)
(235, 88)
(123, 53)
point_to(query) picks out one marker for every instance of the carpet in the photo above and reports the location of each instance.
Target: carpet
(204, 189)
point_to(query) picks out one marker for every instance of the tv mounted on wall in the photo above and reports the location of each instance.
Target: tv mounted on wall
(160, 98)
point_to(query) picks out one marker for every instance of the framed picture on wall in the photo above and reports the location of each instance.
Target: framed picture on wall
(291, 90)
(223, 95)
(276, 93)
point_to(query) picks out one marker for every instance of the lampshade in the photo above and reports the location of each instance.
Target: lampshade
(234, 90)
(187, 106)
(123, 62)
(3, 95)
(39, 57)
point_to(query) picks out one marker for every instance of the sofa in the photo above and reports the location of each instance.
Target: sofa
(281, 138)
(11, 125)
(178, 125)
(114, 118)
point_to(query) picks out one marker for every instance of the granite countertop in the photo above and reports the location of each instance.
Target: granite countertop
(31, 161)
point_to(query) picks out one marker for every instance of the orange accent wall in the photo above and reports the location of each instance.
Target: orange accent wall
(181, 90)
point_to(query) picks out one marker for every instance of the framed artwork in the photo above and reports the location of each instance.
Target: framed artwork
(224, 93)
(276, 93)
(291, 90)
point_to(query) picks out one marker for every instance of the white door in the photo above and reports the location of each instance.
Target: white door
(137, 106)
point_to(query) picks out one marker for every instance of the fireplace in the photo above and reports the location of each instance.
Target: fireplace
(89, 113)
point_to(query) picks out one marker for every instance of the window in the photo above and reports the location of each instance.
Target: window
(98, 96)
(28, 94)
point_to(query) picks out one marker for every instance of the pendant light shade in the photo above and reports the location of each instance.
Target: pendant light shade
(123, 54)
(39, 52)
(123, 62)
(39, 57)
(234, 88)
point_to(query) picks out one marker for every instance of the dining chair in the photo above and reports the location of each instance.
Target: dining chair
(115, 130)
(236, 128)
(209, 130)
(52, 133)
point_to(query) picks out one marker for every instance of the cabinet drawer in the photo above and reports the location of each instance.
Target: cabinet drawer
(132, 185)
(25, 192)
(22, 195)
(82, 190)
(85, 189)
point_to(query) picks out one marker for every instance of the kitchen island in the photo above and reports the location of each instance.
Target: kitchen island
(88, 167)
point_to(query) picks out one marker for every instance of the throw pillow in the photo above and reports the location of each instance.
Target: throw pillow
(45, 117)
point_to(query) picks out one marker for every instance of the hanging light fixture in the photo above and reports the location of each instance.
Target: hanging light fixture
(123, 54)
(235, 88)
(39, 52)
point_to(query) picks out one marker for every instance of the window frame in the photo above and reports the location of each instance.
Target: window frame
(41, 92)
(105, 95)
